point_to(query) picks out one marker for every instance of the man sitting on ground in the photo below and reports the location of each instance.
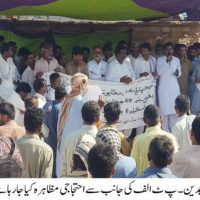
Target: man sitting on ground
(161, 151)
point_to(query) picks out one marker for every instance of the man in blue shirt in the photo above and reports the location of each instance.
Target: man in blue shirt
(161, 151)
(193, 57)
(52, 110)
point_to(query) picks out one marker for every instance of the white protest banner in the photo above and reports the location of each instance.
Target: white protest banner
(133, 98)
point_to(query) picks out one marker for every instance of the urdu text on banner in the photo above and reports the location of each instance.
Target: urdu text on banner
(133, 97)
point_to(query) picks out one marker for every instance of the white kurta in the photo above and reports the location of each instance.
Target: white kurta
(168, 88)
(50, 94)
(142, 65)
(15, 73)
(41, 100)
(181, 131)
(6, 86)
(117, 70)
(28, 77)
(97, 71)
(132, 60)
(18, 103)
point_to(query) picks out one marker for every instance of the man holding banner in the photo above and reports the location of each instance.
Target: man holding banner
(120, 70)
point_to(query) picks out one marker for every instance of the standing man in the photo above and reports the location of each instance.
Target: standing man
(107, 52)
(186, 66)
(97, 67)
(139, 152)
(120, 70)
(168, 69)
(158, 50)
(192, 56)
(160, 155)
(62, 60)
(77, 64)
(135, 53)
(17, 99)
(86, 54)
(112, 112)
(186, 164)
(37, 156)
(102, 159)
(28, 74)
(6, 82)
(70, 119)
(47, 62)
(55, 81)
(90, 114)
(40, 88)
(51, 120)
(11, 60)
(196, 95)
(8, 126)
(145, 64)
(183, 126)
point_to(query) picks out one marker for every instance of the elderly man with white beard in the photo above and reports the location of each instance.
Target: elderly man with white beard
(70, 119)
(97, 67)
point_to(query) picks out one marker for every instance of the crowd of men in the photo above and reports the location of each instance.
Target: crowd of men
(53, 131)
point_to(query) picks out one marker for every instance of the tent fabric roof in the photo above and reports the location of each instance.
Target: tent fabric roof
(102, 9)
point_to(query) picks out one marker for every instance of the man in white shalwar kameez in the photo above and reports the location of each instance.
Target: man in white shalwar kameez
(135, 54)
(145, 65)
(120, 69)
(182, 128)
(168, 69)
(28, 74)
(17, 98)
(6, 82)
(97, 67)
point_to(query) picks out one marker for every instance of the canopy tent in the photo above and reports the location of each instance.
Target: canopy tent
(102, 9)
